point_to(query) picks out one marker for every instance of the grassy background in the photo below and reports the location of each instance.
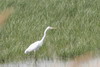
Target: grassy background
(77, 23)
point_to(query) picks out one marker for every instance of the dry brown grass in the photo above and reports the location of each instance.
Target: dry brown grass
(81, 59)
(4, 15)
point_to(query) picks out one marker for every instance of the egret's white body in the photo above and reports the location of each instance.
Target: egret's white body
(35, 46)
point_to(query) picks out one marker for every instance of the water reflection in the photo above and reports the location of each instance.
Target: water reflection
(54, 63)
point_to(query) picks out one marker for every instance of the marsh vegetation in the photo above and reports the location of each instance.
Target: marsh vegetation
(77, 23)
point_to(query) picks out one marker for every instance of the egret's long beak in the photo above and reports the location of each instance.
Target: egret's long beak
(54, 28)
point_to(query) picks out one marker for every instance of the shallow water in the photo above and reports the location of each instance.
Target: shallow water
(95, 62)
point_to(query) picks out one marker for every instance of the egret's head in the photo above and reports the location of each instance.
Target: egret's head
(49, 27)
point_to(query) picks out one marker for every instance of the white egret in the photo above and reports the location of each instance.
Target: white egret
(36, 45)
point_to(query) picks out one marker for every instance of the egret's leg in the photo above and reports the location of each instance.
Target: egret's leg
(35, 61)
(35, 58)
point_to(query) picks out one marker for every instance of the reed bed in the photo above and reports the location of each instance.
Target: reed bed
(77, 23)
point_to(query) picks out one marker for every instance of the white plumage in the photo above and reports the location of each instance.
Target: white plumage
(36, 45)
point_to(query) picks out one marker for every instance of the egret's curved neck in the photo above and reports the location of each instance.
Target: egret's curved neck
(44, 34)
